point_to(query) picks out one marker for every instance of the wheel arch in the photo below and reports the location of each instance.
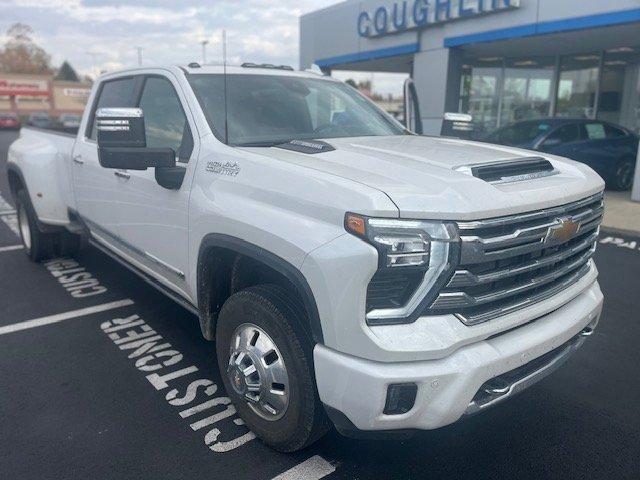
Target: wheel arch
(17, 183)
(16, 180)
(219, 256)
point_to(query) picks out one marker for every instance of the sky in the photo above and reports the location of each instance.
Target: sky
(103, 35)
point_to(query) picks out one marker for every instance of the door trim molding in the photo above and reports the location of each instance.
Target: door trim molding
(123, 249)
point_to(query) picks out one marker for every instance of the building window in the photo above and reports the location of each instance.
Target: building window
(480, 88)
(619, 94)
(602, 85)
(578, 85)
(528, 89)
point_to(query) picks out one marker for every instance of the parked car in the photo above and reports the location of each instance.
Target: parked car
(9, 121)
(69, 121)
(346, 269)
(611, 150)
(40, 120)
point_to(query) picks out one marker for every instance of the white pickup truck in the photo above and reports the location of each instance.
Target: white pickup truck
(349, 271)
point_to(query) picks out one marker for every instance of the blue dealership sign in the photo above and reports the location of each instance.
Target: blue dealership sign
(410, 14)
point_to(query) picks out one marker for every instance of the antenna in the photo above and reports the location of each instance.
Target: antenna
(224, 67)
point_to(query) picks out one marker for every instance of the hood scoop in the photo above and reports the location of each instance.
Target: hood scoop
(516, 170)
(307, 146)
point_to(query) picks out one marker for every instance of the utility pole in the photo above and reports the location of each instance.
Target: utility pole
(224, 47)
(93, 56)
(204, 51)
(140, 50)
(635, 193)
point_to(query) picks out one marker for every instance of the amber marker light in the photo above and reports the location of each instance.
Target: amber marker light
(355, 224)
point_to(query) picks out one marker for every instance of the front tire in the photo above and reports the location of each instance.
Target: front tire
(38, 245)
(266, 363)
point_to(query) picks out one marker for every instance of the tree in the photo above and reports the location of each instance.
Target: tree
(351, 82)
(21, 54)
(67, 73)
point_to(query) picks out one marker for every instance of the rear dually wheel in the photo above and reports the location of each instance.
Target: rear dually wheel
(37, 245)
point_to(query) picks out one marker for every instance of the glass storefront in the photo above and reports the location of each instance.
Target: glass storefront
(578, 85)
(500, 91)
(528, 89)
(619, 100)
(481, 85)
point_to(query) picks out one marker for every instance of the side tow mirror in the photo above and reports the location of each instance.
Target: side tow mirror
(122, 141)
(459, 125)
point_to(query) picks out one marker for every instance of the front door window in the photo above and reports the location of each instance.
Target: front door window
(164, 118)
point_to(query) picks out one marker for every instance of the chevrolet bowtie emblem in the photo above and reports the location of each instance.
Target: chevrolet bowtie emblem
(562, 232)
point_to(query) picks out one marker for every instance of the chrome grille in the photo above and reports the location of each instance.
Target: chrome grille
(510, 263)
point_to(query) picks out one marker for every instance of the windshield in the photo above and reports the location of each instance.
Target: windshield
(270, 109)
(519, 133)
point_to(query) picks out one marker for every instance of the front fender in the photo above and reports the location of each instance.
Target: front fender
(242, 247)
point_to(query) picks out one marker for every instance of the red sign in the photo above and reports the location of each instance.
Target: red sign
(23, 87)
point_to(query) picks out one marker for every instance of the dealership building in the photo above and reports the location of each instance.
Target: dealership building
(498, 60)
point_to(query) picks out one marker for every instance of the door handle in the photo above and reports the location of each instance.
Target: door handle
(120, 174)
(78, 159)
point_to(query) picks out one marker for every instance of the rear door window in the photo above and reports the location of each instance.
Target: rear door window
(113, 94)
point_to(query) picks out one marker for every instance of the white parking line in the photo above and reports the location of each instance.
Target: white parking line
(4, 205)
(632, 245)
(39, 322)
(11, 248)
(8, 215)
(11, 221)
(312, 468)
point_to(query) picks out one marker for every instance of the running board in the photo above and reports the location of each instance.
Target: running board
(147, 278)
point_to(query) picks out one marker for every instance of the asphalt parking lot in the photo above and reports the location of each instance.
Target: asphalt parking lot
(75, 403)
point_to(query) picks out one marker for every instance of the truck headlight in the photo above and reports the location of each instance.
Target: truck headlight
(415, 259)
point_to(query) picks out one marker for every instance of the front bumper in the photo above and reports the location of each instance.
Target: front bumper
(456, 385)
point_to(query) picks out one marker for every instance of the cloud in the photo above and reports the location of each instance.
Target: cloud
(103, 35)
(96, 35)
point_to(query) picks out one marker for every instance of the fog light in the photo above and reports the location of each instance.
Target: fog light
(400, 398)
